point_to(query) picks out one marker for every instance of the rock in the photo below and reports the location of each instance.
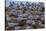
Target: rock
(17, 28)
(12, 24)
(28, 27)
(19, 19)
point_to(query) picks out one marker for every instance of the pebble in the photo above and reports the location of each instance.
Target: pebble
(31, 16)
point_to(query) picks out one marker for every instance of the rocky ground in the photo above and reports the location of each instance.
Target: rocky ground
(28, 15)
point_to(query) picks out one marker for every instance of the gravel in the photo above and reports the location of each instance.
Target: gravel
(31, 17)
